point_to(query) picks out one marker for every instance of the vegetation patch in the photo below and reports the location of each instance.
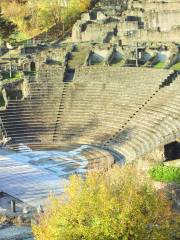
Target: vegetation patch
(15, 76)
(118, 204)
(165, 173)
(35, 17)
(176, 66)
(159, 65)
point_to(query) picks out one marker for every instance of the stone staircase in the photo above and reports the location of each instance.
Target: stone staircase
(90, 111)
(170, 78)
(15, 233)
(155, 125)
(125, 110)
(59, 114)
(32, 120)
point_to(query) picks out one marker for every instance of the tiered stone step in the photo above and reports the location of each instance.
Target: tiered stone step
(157, 124)
(32, 119)
(128, 109)
(96, 106)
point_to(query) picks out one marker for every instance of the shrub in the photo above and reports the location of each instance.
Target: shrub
(118, 204)
(165, 173)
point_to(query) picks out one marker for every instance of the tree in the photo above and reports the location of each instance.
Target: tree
(7, 28)
(36, 16)
(117, 205)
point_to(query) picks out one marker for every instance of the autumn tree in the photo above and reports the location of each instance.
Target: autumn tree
(7, 28)
(118, 204)
(36, 16)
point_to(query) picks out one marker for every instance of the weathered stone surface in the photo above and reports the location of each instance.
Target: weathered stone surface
(142, 21)
(174, 163)
(15, 233)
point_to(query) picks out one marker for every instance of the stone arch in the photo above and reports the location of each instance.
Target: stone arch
(26, 66)
(33, 66)
(172, 151)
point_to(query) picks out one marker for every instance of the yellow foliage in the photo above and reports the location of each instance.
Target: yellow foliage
(37, 16)
(81, 5)
(118, 204)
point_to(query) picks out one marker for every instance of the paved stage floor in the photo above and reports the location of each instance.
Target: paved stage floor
(31, 176)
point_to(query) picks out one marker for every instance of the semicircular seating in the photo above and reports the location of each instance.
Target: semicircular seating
(126, 110)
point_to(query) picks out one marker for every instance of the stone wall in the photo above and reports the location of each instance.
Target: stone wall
(153, 36)
(144, 21)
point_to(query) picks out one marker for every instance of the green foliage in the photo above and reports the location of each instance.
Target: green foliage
(165, 173)
(159, 65)
(34, 17)
(19, 37)
(7, 28)
(15, 76)
(116, 205)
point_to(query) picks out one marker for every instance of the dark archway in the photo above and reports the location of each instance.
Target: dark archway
(172, 151)
(14, 94)
(33, 66)
(2, 101)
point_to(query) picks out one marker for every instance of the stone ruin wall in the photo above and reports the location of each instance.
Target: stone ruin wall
(153, 36)
(160, 23)
(157, 14)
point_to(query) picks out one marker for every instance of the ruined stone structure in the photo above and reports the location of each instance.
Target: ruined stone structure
(103, 89)
(142, 21)
(127, 111)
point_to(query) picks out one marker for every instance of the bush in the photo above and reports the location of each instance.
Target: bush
(165, 173)
(118, 204)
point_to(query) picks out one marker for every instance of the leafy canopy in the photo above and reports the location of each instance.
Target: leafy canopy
(7, 28)
(35, 16)
(117, 205)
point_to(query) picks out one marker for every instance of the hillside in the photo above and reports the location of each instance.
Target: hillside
(34, 17)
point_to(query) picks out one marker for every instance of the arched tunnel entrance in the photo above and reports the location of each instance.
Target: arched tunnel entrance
(172, 151)
(33, 66)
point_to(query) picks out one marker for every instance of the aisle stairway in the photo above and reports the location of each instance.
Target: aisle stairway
(127, 111)
(170, 78)
(60, 113)
(92, 102)
(157, 124)
(32, 120)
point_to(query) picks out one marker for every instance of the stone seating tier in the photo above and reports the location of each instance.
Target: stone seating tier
(123, 110)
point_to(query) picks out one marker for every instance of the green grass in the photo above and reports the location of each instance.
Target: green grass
(159, 65)
(19, 37)
(165, 173)
(176, 66)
